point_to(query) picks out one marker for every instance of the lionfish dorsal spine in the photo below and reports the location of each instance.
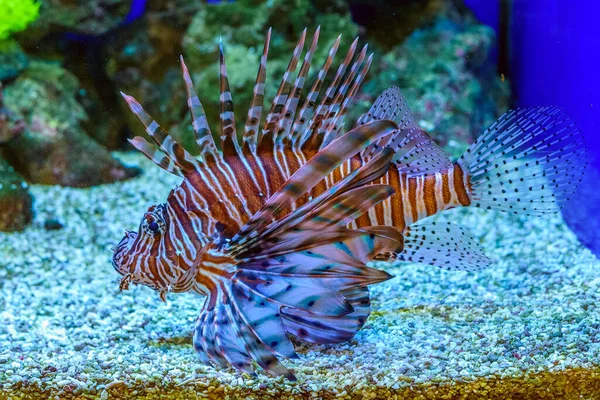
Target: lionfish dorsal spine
(331, 124)
(282, 95)
(204, 139)
(289, 111)
(256, 106)
(314, 140)
(173, 150)
(229, 141)
(308, 108)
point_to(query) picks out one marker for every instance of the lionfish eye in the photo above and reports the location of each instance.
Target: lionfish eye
(153, 226)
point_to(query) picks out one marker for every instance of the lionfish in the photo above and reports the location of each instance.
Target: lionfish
(276, 230)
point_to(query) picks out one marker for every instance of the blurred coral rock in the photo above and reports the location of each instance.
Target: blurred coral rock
(54, 148)
(12, 59)
(15, 200)
(84, 17)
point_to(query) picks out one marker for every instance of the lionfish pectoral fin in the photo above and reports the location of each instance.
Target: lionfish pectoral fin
(241, 328)
(319, 280)
(304, 293)
(290, 263)
(311, 173)
(326, 329)
(443, 245)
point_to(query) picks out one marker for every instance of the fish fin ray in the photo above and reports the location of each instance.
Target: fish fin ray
(291, 105)
(229, 141)
(270, 128)
(390, 105)
(155, 155)
(326, 329)
(417, 154)
(204, 139)
(184, 160)
(308, 107)
(444, 245)
(311, 135)
(253, 120)
(529, 161)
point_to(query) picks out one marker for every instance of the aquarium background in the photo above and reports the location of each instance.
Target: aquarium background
(70, 184)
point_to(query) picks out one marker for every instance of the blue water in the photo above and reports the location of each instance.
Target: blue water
(555, 59)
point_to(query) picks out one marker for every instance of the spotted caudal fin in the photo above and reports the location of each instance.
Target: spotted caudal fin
(529, 161)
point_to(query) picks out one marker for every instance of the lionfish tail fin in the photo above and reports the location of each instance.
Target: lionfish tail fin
(304, 273)
(529, 161)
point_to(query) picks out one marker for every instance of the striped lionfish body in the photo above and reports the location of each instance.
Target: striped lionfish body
(276, 230)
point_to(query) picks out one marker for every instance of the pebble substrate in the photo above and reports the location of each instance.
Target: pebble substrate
(528, 327)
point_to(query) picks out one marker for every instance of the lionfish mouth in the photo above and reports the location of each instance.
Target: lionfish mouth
(121, 249)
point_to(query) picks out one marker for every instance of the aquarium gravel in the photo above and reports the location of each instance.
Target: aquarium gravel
(528, 327)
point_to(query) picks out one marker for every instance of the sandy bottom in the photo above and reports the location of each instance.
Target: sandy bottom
(528, 327)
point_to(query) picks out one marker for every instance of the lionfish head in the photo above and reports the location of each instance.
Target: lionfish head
(143, 257)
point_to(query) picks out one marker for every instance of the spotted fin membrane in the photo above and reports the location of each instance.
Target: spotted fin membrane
(529, 162)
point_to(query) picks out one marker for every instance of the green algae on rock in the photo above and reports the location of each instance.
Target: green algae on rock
(86, 17)
(12, 59)
(16, 15)
(54, 149)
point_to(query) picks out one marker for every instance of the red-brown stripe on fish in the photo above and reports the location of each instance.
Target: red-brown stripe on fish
(276, 232)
